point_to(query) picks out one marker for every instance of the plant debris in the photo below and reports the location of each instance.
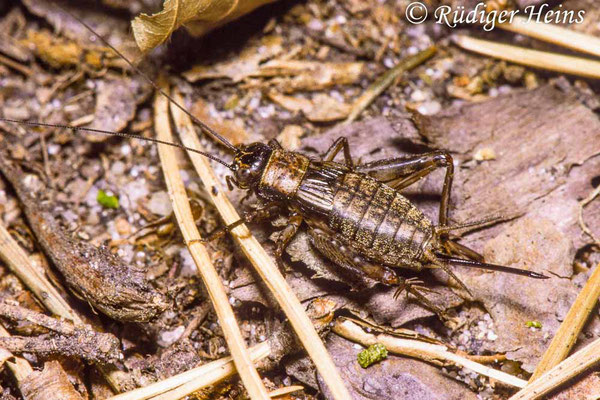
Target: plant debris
(372, 354)
(107, 201)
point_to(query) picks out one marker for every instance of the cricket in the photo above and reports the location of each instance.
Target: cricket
(360, 217)
(356, 215)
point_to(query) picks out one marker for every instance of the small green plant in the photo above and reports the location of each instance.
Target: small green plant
(534, 324)
(107, 201)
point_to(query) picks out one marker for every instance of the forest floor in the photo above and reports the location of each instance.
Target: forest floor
(525, 142)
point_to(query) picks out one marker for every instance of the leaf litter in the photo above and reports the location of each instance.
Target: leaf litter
(274, 89)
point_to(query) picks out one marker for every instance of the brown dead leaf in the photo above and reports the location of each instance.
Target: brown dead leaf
(296, 75)
(113, 29)
(59, 52)
(50, 383)
(322, 108)
(514, 300)
(232, 130)
(198, 16)
(289, 138)
(116, 102)
(245, 64)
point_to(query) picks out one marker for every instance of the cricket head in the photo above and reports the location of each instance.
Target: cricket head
(249, 163)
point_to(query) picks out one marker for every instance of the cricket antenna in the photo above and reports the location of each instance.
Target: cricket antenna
(122, 134)
(201, 124)
(490, 267)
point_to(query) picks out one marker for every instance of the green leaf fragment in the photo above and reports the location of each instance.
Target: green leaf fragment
(107, 201)
(534, 324)
(372, 354)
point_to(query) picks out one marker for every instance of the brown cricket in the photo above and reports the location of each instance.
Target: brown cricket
(356, 214)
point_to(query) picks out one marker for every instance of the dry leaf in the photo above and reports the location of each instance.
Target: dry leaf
(289, 138)
(245, 64)
(116, 103)
(232, 130)
(110, 27)
(59, 52)
(311, 75)
(322, 108)
(198, 16)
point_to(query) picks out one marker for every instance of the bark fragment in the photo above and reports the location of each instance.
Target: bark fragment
(92, 273)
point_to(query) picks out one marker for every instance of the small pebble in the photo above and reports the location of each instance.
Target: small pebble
(485, 154)
(430, 108)
(160, 204)
(167, 338)
(117, 168)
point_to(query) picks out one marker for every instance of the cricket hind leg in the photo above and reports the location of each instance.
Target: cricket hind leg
(439, 263)
(453, 247)
(293, 224)
(357, 268)
(402, 172)
(334, 149)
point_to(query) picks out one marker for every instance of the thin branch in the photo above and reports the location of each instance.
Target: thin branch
(567, 333)
(554, 34)
(595, 193)
(80, 341)
(212, 281)
(386, 79)
(19, 367)
(432, 353)
(18, 262)
(264, 264)
(196, 378)
(569, 368)
(532, 58)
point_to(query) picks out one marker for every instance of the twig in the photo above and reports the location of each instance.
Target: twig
(567, 333)
(81, 341)
(531, 58)
(18, 262)
(285, 390)
(197, 378)
(264, 265)
(212, 281)
(432, 353)
(385, 80)
(595, 193)
(567, 369)
(19, 367)
(554, 34)
(16, 66)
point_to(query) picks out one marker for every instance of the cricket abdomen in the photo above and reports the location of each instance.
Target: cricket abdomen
(379, 222)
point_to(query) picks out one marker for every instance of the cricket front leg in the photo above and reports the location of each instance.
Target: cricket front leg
(293, 224)
(259, 214)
